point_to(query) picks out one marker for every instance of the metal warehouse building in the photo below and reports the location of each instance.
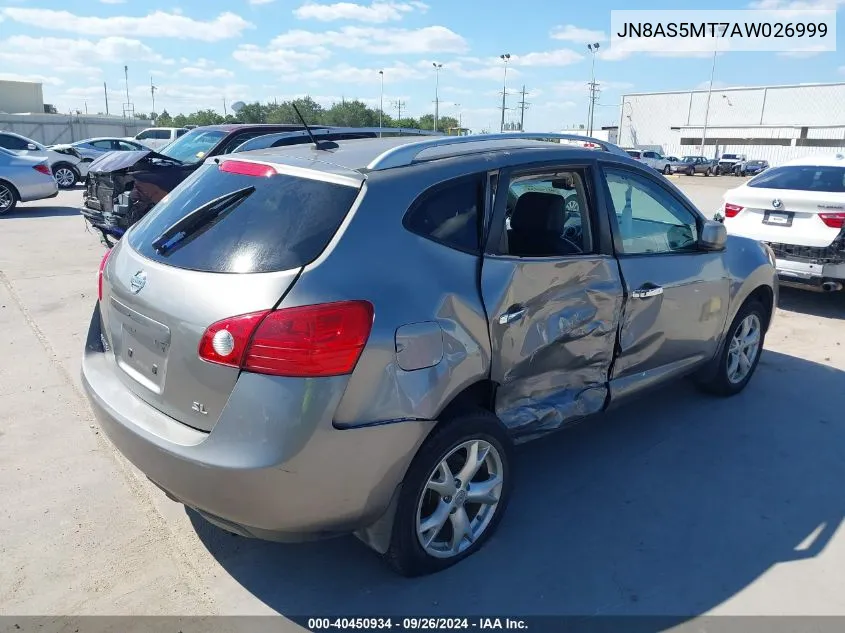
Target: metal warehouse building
(774, 123)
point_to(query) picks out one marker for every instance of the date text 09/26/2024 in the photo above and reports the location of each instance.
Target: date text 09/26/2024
(415, 624)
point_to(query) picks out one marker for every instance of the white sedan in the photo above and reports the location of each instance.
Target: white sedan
(799, 210)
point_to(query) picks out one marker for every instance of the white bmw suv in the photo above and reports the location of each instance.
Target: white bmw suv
(798, 209)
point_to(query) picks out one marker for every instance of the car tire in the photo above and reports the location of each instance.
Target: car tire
(691, 171)
(667, 170)
(450, 444)
(8, 198)
(709, 172)
(66, 175)
(725, 381)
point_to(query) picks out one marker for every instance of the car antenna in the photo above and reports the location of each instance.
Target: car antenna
(317, 144)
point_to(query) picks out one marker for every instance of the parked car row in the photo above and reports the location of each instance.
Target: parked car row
(123, 187)
(735, 164)
(66, 164)
(307, 340)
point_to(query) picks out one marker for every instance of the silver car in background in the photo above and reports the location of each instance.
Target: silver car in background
(307, 341)
(23, 179)
(93, 148)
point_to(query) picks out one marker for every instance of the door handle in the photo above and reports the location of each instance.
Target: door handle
(647, 291)
(513, 314)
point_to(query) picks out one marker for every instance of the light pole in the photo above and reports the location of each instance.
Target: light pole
(460, 120)
(593, 48)
(505, 58)
(380, 101)
(437, 68)
(709, 93)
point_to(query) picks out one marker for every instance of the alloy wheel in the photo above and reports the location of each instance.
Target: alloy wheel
(65, 177)
(460, 499)
(7, 198)
(744, 348)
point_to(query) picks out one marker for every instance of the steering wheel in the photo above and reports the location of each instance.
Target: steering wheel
(577, 249)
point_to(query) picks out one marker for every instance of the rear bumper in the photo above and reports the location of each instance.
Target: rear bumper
(272, 467)
(38, 191)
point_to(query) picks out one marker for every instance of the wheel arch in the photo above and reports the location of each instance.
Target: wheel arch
(12, 187)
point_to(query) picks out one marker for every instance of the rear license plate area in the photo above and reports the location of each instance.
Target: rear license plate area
(143, 347)
(778, 218)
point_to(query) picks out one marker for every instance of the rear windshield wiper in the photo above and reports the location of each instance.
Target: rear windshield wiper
(210, 212)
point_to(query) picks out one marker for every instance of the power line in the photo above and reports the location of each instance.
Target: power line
(399, 104)
(522, 105)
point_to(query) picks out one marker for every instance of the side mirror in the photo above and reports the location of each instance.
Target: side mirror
(31, 147)
(714, 236)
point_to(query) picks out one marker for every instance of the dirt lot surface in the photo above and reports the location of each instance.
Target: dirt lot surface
(678, 504)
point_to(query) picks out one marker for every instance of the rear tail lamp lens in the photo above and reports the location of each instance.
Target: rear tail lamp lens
(308, 341)
(44, 169)
(833, 220)
(102, 268)
(732, 210)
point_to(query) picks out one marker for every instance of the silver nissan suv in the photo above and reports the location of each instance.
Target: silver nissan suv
(308, 341)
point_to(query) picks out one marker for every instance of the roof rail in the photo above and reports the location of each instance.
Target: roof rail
(266, 140)
(404, 155)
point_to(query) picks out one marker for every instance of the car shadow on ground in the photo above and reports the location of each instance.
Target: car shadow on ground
(829, 305)
(668, 506)
(24, 211)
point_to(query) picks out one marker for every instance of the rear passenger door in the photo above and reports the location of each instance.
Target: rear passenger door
(553, 294)
(676, 294)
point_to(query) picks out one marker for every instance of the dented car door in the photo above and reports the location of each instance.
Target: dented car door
(553, 295)
(676, 293)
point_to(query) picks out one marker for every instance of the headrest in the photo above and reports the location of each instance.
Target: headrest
(537, 211)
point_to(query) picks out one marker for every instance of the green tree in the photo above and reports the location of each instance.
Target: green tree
(253, 113)
(205, 117)
(180, 120)
(351, 114)
(164, 119)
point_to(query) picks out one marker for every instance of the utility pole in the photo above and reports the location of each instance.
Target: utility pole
(399, 105)
(225, 112)
(437, 68)
(106, 95)
(380, 101)
(522, 105)
(126, 75)
(593, 48)
(86, 107)
(153, 94)
(505, 58)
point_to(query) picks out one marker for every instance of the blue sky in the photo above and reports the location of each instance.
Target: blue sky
(199, 52)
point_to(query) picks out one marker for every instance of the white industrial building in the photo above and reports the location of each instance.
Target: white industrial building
(774, 123)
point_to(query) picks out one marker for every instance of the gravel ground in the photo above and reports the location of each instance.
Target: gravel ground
(679, 504)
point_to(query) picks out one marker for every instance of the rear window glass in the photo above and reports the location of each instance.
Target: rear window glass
(802, 178)
(283, 222)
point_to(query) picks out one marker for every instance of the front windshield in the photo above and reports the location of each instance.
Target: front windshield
(194, 146)
(689, 159)
(729, 156)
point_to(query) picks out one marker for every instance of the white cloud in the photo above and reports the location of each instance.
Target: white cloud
(156, 24)
(471, 68)
(347, 74)
(796, 5)
(842, 70)
(112, 1)
(560, 57)
(572, 33)
(197, 72)
(374, 13)
(278, 59)
(61, 54)
(258, 2)
(377, 40)
(43, 79)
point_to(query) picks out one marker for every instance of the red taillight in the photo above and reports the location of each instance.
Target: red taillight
(225, 342)
(833, 220)
(244, 168)
(308, 341)
(100, 275)
(732, 210)
(43, 169)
